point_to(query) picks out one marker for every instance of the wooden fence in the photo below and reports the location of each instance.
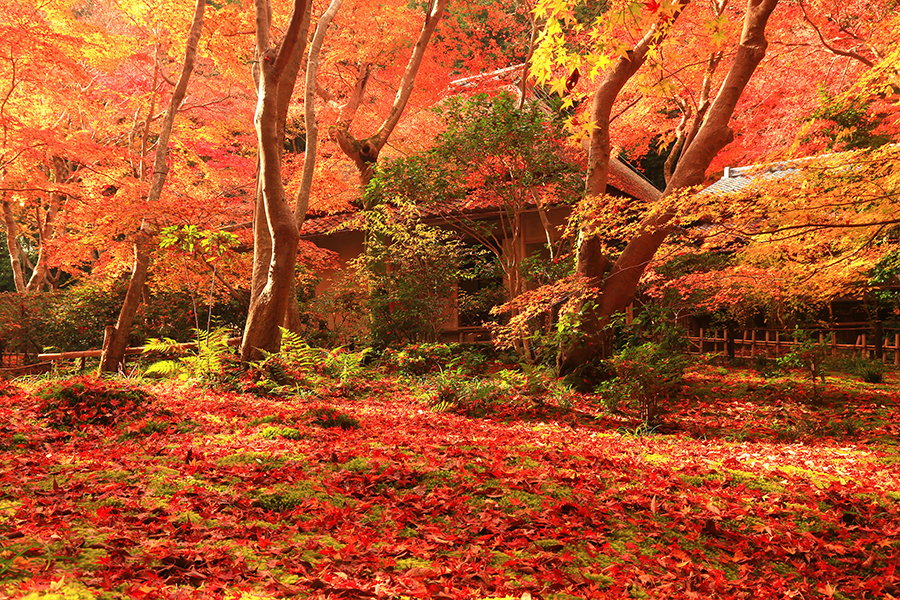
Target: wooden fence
(14, 363)
(869, 340)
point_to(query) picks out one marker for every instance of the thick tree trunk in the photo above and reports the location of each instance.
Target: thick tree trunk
(275, 229)
(114, 350)
(292, 321)
(591, 340)
(619, 286)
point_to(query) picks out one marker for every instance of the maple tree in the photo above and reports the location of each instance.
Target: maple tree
(493, 159)
(365, 151)
(117, 338)
(617, 281)
(275, 230)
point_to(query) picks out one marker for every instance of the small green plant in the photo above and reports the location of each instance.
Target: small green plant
(645, 377)
(207, 364)
(90, 400)
(328, 417)
(870, 371)
(504, 391)
(281, 373)
(807, 354)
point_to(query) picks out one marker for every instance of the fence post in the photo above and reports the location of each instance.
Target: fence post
(729, 342)
(879, 340)
(752, 343)
(897, 349)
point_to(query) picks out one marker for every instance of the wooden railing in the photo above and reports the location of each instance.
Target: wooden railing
(14, 361)
(869, 340)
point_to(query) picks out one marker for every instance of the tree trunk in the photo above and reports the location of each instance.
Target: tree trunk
(12, 245)
(47, 230)
(364, 152)
(619, 286)
(114, 350)
(591, 340)
(275, 230)
(292, 320)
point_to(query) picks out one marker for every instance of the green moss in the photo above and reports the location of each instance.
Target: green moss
(312, 556)
(262, 460)
(271, 433)
(656, 459)
(70, 590)
(264, 420)
(331, 417)
(752, 481)
(193, 518)
(404, 564)
(438, 478)
(519, 500)
(600, 579)
(287, 498)
(360, 464)
(8, 510)
(820, 480)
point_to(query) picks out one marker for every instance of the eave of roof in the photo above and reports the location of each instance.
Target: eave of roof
(621, 177)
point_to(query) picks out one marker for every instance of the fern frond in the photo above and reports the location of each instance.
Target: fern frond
(166, 368)
(165, 345)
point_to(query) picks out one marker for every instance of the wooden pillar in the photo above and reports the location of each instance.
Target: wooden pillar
(752, 343)
(879, 340)
(897, 349)
(729, 342)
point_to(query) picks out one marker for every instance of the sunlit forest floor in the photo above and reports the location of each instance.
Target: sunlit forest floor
(378, 484)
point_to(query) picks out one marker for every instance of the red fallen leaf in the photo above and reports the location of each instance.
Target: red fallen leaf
(420, 572)
(739, 556)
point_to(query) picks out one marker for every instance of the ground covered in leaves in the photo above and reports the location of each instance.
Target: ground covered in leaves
(750, 488)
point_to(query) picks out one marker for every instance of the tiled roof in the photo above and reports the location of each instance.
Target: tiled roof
(739, 179)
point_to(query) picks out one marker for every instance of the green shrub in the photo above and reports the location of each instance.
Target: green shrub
(645, 377)
(90, 400)
(421, 359)
(807, 354)
(502, 393)
(870, 371)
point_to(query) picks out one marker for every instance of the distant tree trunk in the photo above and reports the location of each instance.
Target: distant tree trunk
(47, 230)
(275, 230)
(364, 152)
(292, 318)
(12, 245)
(618, 287)
(114, 349)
